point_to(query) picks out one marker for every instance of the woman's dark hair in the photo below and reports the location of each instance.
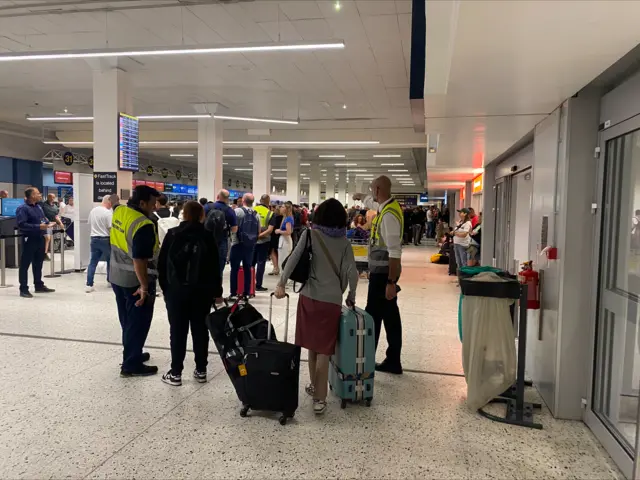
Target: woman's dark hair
(192, 212)
(330, 213)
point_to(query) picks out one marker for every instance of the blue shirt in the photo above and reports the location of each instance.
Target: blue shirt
(286, 220)
(29, 218)
(229, 214)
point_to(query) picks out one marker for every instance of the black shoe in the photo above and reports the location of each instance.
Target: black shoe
(261, 289)
(389, 368)
(146, 356)
(44, 289)
(141, 371)
(171, 379)
(26, 295)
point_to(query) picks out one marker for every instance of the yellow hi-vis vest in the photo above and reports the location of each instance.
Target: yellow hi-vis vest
(378, 252)
(265, 217)
(125, 224)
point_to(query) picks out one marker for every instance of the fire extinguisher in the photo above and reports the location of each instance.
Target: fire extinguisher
(529, 277)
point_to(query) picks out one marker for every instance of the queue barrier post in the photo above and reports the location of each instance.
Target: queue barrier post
(16, 253)
(3, 263)
(52, 262)
(62, 271)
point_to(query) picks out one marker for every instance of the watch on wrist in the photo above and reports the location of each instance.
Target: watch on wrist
(391, 282)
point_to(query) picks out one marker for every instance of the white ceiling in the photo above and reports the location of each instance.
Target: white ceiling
(494, 69)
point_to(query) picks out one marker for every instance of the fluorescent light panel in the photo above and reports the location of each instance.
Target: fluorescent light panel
(400, 175)
(398, 170)
(392, 164)
(346, 164)
(243, 142)
(395, 155)
(254, 119)
(181, 155)
(332, 156)
(290, 142)
(279, 178)
(142, 52)
(232, 155)
(193, 116)
(278, 169)
(278, 156)
(243, 169)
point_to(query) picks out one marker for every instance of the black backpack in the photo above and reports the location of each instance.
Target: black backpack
(188, 257)
(217, 224)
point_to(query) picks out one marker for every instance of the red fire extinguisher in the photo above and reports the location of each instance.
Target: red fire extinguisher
(528, 276)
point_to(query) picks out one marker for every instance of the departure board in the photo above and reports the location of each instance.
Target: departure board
(128, 142)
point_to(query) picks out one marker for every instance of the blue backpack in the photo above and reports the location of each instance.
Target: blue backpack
(249, 228)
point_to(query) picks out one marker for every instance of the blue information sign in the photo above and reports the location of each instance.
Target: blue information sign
(128, 143)
(9, 206)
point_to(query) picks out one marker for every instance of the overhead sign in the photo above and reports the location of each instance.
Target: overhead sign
(104, 183)
(64, 178)
(424, 197)
(477, 184)
(67, 158)
(90, 161)
(178, 174)
(165, 173)
(128, 143)
(149, 170)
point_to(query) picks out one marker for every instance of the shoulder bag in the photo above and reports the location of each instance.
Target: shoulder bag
(302, 270)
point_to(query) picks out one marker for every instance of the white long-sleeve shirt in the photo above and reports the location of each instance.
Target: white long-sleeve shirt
(390, 228)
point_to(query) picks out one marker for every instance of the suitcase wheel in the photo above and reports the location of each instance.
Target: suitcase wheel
(343, 403)
(244, 411)
(367, 402)
(283, 420)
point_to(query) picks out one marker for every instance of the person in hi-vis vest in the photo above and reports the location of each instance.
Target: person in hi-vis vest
(134, 252)
(385, 252)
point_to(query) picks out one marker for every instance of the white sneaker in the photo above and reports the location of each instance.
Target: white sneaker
(89, 289)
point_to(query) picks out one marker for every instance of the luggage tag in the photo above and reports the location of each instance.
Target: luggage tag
(242, 368)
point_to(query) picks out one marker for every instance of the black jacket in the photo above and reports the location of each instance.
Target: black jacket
(211, 267)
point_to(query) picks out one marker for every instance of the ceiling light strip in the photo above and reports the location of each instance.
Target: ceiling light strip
(143, 52)
(385, 155)
(234, 142)
(253, 119)
(194, 116)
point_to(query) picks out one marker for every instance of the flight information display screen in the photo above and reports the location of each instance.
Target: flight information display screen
(128, 143)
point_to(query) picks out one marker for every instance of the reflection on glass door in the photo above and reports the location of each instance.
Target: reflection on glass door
(502, 226)
(617, 365)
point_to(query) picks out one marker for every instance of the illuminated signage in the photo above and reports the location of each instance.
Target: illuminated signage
(128, 143)
(477, 184)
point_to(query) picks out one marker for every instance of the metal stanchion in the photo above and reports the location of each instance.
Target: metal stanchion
(3, 264)
(52, 262)
(62, 242)
(16, 248)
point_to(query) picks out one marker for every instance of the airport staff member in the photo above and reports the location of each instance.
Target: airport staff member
(267, 226)
(385, 251)
(134, 251)
(33, 224)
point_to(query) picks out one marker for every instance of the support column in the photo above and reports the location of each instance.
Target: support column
(351, 188)
(314, 183)
(209, 157)
(365, 188)
(293, 176)
(468, 189)
(342, 187)
(330, 188)
(111, 95)
(261, 171)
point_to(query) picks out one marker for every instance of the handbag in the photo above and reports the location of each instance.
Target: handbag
(302, 270)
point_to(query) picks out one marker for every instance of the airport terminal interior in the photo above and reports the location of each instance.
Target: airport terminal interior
(520, 118)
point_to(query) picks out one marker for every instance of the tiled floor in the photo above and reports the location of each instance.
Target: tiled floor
(65, 412)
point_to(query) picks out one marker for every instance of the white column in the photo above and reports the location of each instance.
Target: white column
(209, 157)
(365, 188)
(330, 188)
(261, 171)
(314, 183)
(111, 95)
(351, 189)
(342, 187)
(293, 176)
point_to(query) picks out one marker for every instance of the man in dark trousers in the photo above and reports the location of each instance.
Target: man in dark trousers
(188, 275)
(134, 250)
(33, 225)
(385, 252)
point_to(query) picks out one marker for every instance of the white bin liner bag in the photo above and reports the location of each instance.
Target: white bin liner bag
(488, 345)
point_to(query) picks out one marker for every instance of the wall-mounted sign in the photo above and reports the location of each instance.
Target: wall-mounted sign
(165, 173)
(178, 174)
(90, 161)
(191, 175)
(159, 186)
(424, 197)
(104, 183)
(67, 158)
(64, 178)
(229, 183)
(149, 170)
(476, 186)
(244, 185)
(237, 183)
(168, 187)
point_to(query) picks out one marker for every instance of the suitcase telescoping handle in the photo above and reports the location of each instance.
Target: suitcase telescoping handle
(286, 316)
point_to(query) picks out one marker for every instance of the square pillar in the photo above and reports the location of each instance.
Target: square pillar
(111, 96)
(293, 176)
(314, 184)
(342, 188)
(209, 157)
(330, 189)
(261, 171)
(351, 189)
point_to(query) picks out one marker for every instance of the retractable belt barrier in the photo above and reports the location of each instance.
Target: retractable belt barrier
(3, 258)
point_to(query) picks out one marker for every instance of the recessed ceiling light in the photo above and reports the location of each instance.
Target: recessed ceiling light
(250, 163)
(392, 164)
(278, 169)
(181, 155)
(232, 155)
(181, 50)
(278, 156)
(364, 175)
(331, 156)
(387, 155)
(253, 119)
(279, 178)
(398, 170)
(337, 6)
(323, 170)
(243, 169)
(225, 163)
(58, 142)
(400, 175)
(193, 116)
(357, 170)
(346, 164)
(60, 119)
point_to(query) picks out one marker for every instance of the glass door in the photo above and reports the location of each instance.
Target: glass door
(616, 369)
(502, 214)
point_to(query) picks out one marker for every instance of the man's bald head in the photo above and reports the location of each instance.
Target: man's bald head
(51, 198)
(4, 194)
(248, 199)
(265, 200)
(223, 196)
(381, 189)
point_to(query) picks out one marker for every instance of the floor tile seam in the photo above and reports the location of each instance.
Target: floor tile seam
(160, 418)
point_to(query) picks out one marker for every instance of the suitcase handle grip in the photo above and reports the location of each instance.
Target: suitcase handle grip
(286, 318)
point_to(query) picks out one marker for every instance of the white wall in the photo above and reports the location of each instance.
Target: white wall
(524, 188)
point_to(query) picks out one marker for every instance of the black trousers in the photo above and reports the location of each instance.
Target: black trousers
(135, 323)
(385, 312)
(32, 255)
(185, 311)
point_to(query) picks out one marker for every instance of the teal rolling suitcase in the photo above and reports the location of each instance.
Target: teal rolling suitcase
(353, 365)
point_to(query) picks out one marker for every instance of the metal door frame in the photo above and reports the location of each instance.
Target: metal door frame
(505, 184)
(629, 465)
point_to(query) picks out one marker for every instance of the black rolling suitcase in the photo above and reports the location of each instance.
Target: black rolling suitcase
(264, 372)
